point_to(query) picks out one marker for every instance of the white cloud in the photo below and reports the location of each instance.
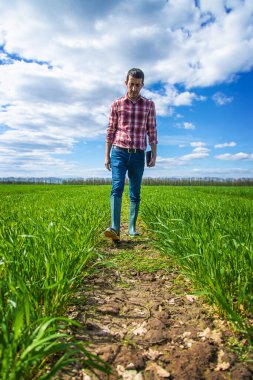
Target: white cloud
(221, 99)
(198, 143)
(167, 39)
(166, 162)
(187, 125)
(32, 162)
(175, 140)
(222, 172)
(225, 145)
(209, 54)
(63, 62)
(176, 167)
(197, 153)
(170, 98)
(185, 170)
(235, 157)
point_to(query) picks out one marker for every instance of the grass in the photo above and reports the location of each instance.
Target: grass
(151, 262)
(208, 233)
(48, 238)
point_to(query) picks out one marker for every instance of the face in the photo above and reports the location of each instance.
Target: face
(134, 86)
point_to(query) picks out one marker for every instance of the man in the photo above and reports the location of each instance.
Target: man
(132, 119)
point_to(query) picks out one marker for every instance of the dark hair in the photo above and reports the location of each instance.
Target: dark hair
(136, 73)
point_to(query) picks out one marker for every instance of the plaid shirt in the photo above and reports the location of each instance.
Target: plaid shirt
(130, 122)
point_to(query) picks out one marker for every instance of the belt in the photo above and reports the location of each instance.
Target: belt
(128, 150)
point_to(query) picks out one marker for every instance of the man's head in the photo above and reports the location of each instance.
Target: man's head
(134, 83)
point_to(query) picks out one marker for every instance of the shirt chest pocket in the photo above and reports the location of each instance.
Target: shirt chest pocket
(124, 116)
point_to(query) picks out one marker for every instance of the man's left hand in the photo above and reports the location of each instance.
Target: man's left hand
(152, 162)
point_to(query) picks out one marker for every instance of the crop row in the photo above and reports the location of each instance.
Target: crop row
(208, 232)
(48, 236)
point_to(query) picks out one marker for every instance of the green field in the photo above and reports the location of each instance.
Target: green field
(48, 244)
(208, 231)
(48, 236)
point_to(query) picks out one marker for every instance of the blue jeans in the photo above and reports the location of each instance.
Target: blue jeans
(133, 163)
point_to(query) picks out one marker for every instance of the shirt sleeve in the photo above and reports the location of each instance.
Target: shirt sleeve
(112, 125)
(151, 125)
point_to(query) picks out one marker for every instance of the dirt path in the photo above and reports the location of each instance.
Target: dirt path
(147, 324)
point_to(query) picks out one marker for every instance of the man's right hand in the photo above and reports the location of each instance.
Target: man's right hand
(108, 148)
(108, 163)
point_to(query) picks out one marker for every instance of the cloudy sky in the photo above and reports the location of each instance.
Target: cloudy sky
(62, 63)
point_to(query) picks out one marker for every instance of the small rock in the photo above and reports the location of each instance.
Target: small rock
(127, 374)
(112, 309)
(156, 324)
(158, 370)
(140, 329)
(156, 336)
(130, 355)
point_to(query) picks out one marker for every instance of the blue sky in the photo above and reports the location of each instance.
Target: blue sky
(62, 63)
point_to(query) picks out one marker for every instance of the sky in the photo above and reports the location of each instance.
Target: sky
(63, 62)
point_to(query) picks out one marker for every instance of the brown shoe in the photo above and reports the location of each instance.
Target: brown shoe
(111, 233)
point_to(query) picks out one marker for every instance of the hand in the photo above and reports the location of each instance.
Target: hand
(108, 163)
(152, 162)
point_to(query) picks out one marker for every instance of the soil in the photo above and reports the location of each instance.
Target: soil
(149, 325)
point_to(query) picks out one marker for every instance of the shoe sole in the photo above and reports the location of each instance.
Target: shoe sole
(111, 235)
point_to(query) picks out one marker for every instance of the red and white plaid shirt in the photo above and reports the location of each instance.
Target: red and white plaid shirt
(130, 122)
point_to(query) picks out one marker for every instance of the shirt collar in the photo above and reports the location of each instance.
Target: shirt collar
(135, 101)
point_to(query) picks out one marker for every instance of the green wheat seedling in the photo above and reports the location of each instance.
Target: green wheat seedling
(208, 232)
(48, 237)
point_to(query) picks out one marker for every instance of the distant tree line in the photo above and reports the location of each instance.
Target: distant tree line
(193, 181)
(88, 181)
